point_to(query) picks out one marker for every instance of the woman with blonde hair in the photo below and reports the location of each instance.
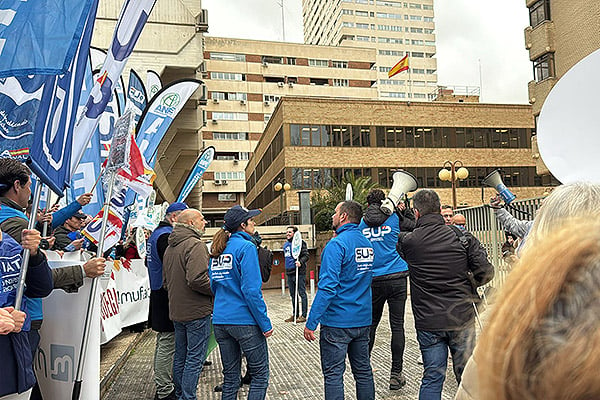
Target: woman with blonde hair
(543, 340)
(556, 281)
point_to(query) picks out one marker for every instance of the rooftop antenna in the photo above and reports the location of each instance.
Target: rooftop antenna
(280, 2)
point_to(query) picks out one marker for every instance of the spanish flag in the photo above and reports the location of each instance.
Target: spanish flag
(402, 65)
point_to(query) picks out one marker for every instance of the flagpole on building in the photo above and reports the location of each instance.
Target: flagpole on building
(25, 261)
(410, 78)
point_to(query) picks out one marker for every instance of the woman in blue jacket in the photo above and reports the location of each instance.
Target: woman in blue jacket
(240, 316)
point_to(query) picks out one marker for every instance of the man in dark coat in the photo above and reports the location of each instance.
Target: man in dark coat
(445, 266)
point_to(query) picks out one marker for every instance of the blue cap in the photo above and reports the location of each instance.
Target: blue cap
(177, 206)
(236, 215)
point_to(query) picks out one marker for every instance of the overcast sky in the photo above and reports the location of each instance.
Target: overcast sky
(469, 32)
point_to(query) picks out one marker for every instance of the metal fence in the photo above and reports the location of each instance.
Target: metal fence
(482, 223)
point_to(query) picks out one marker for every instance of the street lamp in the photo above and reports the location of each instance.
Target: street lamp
(278, 187)
(453, 175)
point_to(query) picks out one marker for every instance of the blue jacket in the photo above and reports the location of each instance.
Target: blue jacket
(236, 283)
(154, 258)
(344, 296)
(17, 371)
(384, 239)
(60, 216)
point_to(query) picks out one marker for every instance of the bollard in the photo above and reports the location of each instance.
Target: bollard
(283, 284)
(312, 285)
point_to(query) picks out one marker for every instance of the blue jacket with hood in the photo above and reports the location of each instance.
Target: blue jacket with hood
(236, 283)
(17, 365)
(344, 296)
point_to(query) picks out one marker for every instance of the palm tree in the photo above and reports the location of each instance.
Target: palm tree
(323, 202)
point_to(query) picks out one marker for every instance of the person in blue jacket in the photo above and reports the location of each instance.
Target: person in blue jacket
(342, 305)
(17, 366)
(240, 318)
(390, 273)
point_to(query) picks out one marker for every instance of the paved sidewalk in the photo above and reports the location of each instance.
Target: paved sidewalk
(294, 364)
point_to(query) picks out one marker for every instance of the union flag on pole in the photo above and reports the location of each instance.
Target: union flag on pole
(402, 65)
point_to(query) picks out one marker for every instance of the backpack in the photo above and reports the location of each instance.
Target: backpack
(265, 261)
(462, 238)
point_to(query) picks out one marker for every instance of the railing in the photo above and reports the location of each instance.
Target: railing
(482, 223)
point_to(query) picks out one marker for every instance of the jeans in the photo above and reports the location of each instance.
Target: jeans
(394, 292)
(163, 363)
(434, 348)
(191, 340)
(335, 343)
(249, 339)
(301, 292)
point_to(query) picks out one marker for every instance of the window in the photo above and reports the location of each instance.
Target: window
(230, 135)
(417, 42)
(389, 40)
(318, 63)
(388, 15)
(359, 13)
(227, 57)
(427, 7)
(226, 197)
(415, 6)
(416, 30)
(415, 18)
(419, 95)
(430, 43)
(431, 71)
(227, 76)
(390, 53)
(390, 28)
(389, 4)
(341, 82)
(290, 61)
(339, 64)
(228, 96)
(230, 116)
(362, 26)
(347, 12)
(418, 54)
(272, 60)
(428, 31)
(347, 24)
(391, 82)
(543, 67)
(362, 38)
(231, 176)
(427, 19)
(384, 69)
(267, 117)
(271, 98)
(539, 12)
(396, 95)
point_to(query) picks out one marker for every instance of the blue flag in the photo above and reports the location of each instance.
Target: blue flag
(136, 95)
(50, 153)
(40, 37)
(19, 103)
(201, 165)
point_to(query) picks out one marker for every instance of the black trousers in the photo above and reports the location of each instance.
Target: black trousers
(392, 291)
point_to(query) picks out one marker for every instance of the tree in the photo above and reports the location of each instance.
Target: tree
(323, 202)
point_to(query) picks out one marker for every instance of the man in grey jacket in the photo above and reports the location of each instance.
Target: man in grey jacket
(185, 270)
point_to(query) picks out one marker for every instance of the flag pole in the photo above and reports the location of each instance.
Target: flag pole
(90, 304)
(25, 261)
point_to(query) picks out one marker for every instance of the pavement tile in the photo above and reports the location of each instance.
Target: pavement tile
(295, 369)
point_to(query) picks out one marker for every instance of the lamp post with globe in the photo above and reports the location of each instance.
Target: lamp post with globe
(279, 186)
(454, 174)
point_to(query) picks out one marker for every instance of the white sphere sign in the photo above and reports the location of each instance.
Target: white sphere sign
(568, 128)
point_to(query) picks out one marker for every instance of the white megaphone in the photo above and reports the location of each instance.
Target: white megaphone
(495, 180)
(404, 182)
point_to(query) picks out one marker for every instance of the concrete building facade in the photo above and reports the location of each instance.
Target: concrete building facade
(393, 28)
(245, 80)
(310, 142)
(170, 44)
(560, 34)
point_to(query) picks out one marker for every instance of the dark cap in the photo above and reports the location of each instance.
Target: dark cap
(79, 215)
(177, 206)
(236, 215)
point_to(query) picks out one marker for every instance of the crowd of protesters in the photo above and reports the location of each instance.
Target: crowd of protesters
(535, 344)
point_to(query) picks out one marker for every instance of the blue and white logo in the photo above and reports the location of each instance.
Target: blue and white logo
(377, 233)
(223, 262)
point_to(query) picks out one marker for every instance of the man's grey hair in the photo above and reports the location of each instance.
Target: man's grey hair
(566, 202)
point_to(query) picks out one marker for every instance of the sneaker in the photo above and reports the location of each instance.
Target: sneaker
(170, 396)
(290, 319)
(397, 381)
(301, 319)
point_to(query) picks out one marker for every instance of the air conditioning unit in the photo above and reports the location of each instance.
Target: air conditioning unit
(216, 101)
(235, 161)
(214, 121)
(242, 102)
(267, 103)
(265, 64)
(224, 182)
(291, 84)
(280, 84)
(217, 182)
